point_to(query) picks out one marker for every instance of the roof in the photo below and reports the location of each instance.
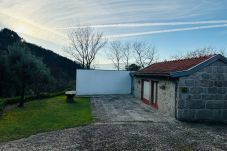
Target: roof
(177, 68)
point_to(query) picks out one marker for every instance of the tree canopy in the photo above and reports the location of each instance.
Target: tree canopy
(26, 71)
(132, 67)
(61, 68)
(84, 45)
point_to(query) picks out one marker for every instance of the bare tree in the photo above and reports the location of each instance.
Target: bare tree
(84, 45)
(126, 54)
(144, 53)
(115, 54)
(200, 53)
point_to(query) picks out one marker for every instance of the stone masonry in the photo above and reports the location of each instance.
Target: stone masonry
(165, 98)
(202, 96)
(137, 87)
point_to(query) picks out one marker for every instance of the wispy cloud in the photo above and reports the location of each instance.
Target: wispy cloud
(145, 24)
(28, 23)
(166, 31)
(48, 22)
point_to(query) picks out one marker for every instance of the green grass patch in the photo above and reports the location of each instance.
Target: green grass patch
(183, 147)
(44, 115)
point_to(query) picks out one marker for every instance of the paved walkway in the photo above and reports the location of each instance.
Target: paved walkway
(123, 123)
(124, 108)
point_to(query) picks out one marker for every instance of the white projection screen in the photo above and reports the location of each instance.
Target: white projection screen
(97, 82)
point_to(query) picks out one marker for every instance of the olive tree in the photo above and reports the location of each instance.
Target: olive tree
(4, 74)
(26, 69)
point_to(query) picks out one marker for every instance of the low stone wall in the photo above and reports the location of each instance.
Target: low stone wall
(202, 96)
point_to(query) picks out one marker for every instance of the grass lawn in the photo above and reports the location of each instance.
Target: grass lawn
(44, 115)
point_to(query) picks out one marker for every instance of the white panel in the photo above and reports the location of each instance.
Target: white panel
(146, 90)
(93, 82)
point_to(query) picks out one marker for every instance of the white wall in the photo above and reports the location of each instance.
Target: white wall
(93, 82)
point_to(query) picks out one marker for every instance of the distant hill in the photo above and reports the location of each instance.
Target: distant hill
(62, 69)
(109, 66)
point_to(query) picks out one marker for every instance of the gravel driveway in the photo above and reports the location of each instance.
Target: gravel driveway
(123, 123)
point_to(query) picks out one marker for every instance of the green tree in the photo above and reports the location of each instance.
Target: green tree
(4, 73)
(26, 69)
(132, 67)
(43, 79)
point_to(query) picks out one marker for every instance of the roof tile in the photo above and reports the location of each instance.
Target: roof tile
(173, 66)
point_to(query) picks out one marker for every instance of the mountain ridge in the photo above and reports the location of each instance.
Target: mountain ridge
(62, 68)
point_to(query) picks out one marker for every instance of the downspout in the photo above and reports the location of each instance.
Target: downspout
(76, 79)
(132, 82)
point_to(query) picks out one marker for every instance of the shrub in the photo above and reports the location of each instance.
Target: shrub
(1, 107)
(15, 100)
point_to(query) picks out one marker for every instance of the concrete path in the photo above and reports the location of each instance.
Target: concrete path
(123, 123)
(124, 108)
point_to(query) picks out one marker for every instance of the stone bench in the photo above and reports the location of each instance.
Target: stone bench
(70, 95)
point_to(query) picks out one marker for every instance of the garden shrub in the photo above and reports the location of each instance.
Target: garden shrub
(1, 106)
(14, 100)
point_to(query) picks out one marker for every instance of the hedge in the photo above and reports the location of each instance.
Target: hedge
(14, 100)
(2, 105)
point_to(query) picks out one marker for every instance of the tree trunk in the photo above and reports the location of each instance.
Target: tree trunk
(1, 111)
(88, 66)
(21, 103)
(37, 94)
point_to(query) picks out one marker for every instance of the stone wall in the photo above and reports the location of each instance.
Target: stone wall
(137, 87)
(166, 95)
(202, 96)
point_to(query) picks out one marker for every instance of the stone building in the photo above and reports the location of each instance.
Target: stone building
(192, 89)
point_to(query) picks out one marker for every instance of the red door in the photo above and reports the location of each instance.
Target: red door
(146, 91)
(149, 92)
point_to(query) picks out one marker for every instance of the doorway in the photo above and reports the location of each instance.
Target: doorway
(149, 93)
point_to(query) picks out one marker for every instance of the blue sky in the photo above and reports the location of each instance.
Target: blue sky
(173, 27)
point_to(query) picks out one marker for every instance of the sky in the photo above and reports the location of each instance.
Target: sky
(173, 27)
